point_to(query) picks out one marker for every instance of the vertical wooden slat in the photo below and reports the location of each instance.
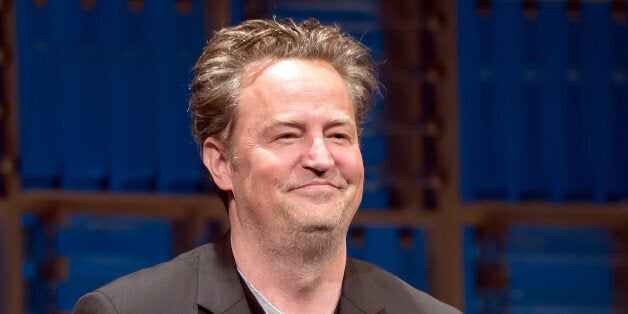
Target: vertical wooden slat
(619, 301)
(420, 81)
(420, 78)
(11, 237)
(403, 93)
(12, 261)
(217, 15)
(8, 99)
(446, 240)
(443, 237)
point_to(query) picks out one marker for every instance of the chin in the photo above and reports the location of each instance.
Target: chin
(324, 220)
(316, 218)
(316, 228)
(323, 225)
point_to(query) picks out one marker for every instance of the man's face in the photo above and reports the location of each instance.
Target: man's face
(298, 163)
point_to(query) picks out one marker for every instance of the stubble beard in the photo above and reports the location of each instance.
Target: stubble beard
(306, 239)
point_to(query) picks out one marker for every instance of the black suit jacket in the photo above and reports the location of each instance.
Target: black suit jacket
(205, 280)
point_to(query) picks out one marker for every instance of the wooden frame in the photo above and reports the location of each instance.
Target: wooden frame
(443, 225)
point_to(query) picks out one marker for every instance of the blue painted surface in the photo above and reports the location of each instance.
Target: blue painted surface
(99, 249)
(35, 252)
(385, 247)
(560, 266)
(550, 269)
(85, 93)
(177, 42)
(40, 154)
(103, 96)
(539, 103)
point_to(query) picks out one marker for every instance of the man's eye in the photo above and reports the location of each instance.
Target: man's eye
(286, 136)
(340, 136)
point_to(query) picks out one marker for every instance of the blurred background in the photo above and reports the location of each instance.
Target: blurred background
(496, 159)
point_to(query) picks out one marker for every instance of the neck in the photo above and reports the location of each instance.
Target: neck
(298, 275)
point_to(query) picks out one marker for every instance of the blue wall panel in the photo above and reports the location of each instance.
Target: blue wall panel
(414, 268)
(99, 249)
(483, 167)
(598, 68)
(35, 251)
(237, 11)
(559, 269)
(133, 121)
(468, 36)
(539, 102)
(374, 194)
(577, 179)
(618, 148)
(400, 251)
(472, 302)
(549, 269)
(509, 62)
(39, 84)
(103, 96)
(530, 180)
(85, 92)
(552, 20)
(177, 41)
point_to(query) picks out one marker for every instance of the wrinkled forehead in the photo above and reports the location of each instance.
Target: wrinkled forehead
(310, 84)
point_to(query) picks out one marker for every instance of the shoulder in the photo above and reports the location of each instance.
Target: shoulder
(398, 295)
(164, 288)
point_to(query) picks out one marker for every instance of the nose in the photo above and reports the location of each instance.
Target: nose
(318, 157)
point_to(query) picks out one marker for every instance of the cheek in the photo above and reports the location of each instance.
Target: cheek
(350, 163)
(269, 166)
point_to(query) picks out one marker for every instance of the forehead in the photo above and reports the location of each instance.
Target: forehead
(293, 84)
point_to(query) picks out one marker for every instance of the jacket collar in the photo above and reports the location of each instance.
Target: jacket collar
(359, 292)
(219, 287)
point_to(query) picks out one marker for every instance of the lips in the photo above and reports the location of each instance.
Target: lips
(315, 186)
(318, 184)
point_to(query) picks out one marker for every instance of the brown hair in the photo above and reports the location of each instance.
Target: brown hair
(217, 73)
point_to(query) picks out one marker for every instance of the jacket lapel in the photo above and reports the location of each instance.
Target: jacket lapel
(359, 294)
(219, 288)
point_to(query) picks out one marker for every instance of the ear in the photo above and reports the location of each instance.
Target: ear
(217, 164)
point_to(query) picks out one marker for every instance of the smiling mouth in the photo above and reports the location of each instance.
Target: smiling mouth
(316, 187)
(317, 193)
(315, 183)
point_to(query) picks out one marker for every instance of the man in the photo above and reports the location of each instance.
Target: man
(276, 110)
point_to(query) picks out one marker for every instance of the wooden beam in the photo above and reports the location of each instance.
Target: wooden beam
(545, 213)
(147, 204)
(8, 97)
(11, 267)
(407, 217)
(446, 249)
(10, 232)
(217, 14)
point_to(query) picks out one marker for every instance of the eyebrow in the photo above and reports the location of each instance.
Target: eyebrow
(341, 120)
(285, 122)
(299, 123)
